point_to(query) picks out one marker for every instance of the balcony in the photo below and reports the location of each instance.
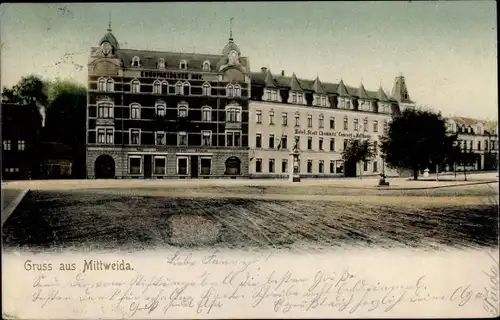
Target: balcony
(233, 125)
(105, 121)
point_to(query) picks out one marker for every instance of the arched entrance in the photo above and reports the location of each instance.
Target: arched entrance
(104, 167)
(233, 166)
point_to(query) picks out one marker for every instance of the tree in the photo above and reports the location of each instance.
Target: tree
(30, 90)
(416, 139)
(358, 151)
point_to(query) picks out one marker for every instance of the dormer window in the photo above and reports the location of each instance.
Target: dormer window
(297, 97)
(206, 89)
(136, 62)
(271, 94)
(405, 95)
(161, 63)
(206, 66)
(319, 100)
(183, 65)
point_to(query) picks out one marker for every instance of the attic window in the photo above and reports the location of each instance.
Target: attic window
(135, 61)
(161, 63)
(183, 65)
(206, 66)
(405, 95)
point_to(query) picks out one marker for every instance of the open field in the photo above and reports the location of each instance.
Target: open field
(247, 217)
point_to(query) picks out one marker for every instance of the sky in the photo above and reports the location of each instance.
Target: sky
(445, 50)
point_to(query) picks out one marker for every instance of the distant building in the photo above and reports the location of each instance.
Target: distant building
(155, 114)
(21, 125)
(479, 137)
(323, 117)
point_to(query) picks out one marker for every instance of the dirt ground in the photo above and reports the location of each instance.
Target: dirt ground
(91, 220)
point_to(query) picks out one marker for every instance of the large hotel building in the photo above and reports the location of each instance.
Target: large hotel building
(163, 115)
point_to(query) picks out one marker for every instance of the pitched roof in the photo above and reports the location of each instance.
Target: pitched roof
(318, 87)
(269, 80)
(172, 59)
(362, 92)
(341, 89)
(466, 121)
(294, 83)
(109, 37)
(381, 95)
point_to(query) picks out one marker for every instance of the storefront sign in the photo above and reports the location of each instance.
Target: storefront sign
(355, 135)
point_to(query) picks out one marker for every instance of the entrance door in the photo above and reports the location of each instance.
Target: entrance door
(148, 166)
(194, 166)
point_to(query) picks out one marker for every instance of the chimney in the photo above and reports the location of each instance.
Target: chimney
(282, 73)
(263, 69)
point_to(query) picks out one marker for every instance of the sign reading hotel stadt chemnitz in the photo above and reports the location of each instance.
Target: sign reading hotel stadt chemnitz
(332, 134)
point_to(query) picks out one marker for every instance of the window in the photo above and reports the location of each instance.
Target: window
(486, 145)
(294, 97)
(206, 138)
(346, 124)
(332, 123)
(233, 113)
(161, 63)
(135, 136)
(164, 87)
(258, 165)
(237, 91)
(105, 135)
(161, 108)
(309, 120)
(134, 165)
(284, 165)
(321, 121)
(110, 85)
(258, 114)
(135, 111)
(160, 165)
(271, 94)
(386, 127)
(479, 145)
(375, 147)
(206, 114)
(182, 109)
(332, 144)
(187, 88)
(320, 143)
(284, 119)
(160, 138)
(309, 143)
(355, 121)
(229, 90)
(101, 85)
(321, 166)
(271, 141)
(183, 65)
(309, 166)
(206, 66)
(206, 89)
(182, 165)
(348, 104)
(365, 125)
(271, 117)
(375, 126)
(105, 110)
(136, 62)
(179, 88)
(297, 120)
(345, 144)
(297, 139)
(206, 166)
(258, 140)
(323, 101)
(157, 87)
(136, 86)
(375, 166)
(332, 166)
(284, 142)
(21, 145)
(339, 166)
(182, 139)
(300, 98)
(365, 165)
(233, 138)
(271, 165)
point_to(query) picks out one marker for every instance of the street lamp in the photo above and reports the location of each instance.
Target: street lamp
(295, 154)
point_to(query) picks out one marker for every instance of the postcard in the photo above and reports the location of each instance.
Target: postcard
(249, 160)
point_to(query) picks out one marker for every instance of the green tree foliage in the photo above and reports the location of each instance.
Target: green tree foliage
(415, 140)
(358, 151)
(30, 90)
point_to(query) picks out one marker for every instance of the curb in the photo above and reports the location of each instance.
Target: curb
(437, 187)
(13, 205)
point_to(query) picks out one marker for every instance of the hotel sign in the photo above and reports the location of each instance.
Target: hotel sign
(332, 134)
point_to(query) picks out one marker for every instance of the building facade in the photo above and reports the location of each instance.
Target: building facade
(321, 117)
(163, 115)
(479, 137)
